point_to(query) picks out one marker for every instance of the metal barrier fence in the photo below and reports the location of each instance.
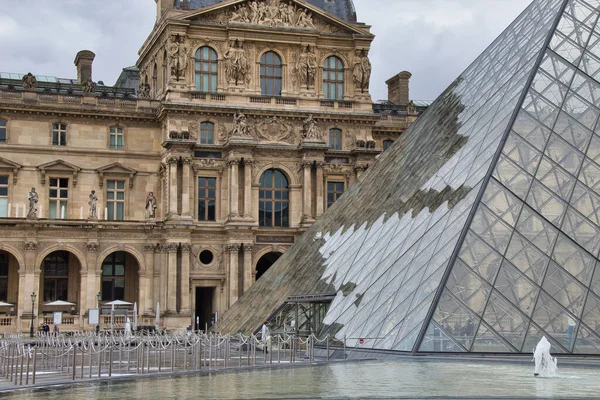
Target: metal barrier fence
(53, 358)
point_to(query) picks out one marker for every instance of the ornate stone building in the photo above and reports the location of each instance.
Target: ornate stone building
(250, 118)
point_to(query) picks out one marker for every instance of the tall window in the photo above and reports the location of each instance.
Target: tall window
(58, 196)
(59, 134)
(56, 276)
(206, 69)
(113, 277)
(387, 144)
(3, 195)
(4, 277)
(335, 139)
(333, 78)
(207, 190)
(116, 137)
(207, 133)
(273, 206)
(115, 200)
(2, 131)
(270, 74)
(334, 191)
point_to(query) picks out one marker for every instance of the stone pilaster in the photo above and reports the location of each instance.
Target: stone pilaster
(248, 189)
(319, 188)
(186, 249)
(145, 299)
(306, 191)
(248, 281)
(233, 250)
(171, 282)
(185, 188)
(233, 165)
(172, 187)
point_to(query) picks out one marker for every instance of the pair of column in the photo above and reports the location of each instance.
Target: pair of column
(173, 191)
(307, 187)
(234, 252)
(233, 165)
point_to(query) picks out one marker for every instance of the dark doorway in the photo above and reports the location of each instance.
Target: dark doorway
(204, 307)
(265, 262)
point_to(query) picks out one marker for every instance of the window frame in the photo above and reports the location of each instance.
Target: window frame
(269, 82)
(211, 72)
(59, 132)
(331, 80)
(4, 266)
(386, 144)
(4, 198)
(58, 199)
(277, 196)
(112, 205)
(119, 131)
(111, 261)
(335, 139)
(207, 136)
(3, 130)
(53, 260)
(206, 188)
(334, 191)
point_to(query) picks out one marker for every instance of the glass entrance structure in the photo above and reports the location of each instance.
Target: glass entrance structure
(480, 231)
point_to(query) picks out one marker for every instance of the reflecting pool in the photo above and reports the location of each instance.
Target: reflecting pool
(374, 379)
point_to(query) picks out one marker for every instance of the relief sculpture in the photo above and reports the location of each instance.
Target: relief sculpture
(236, 64)
(274, 129)
(272, 13)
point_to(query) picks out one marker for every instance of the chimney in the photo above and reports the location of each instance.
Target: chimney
(83, 62)
(398, 88)
(162, 6)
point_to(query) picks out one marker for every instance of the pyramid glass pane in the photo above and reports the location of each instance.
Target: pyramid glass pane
(480, 230)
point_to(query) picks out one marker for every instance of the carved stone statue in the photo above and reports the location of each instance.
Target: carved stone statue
(93, 203)
(272, 13)
(240, 125)
(178, 59)
(151, 205)
(411, 108)
(29, 81)
(236, 63)
(310, 130)
(361, 71)
(89, 86)
(144, 91)
(33, 199)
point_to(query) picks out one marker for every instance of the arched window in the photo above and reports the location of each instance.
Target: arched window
(155, 79)
(2, 131)
(207, 133)
(335, 139)
(206, 69)
(387, 144)
(333, 78)
(274, 203)
(113, 277)
(56, 276)
(270, 74)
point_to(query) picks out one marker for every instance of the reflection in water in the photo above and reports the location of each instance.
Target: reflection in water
(348, 380)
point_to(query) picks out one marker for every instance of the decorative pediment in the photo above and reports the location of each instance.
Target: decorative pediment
(116, 169)
(273, 13)
(10, 166)
(58, 167)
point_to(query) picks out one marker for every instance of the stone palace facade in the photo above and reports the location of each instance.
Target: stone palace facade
(240, 124)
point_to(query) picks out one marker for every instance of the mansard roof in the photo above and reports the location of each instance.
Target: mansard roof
(343, 9)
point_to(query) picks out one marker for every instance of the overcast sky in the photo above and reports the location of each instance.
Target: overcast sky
(433, 39)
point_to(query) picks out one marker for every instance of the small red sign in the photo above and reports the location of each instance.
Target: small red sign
(361, 341)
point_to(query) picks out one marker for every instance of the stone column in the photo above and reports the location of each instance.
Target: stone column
(185, 190)
(247, 266)
(160, 278)
(186, 248)
(248, 189)
(319, 185)
(233, 250)
(145, 302)
(306, 189)
(93, 284)
(29, 281)
(171, 249)
(233, 187)
(218, 195)
(172, 187)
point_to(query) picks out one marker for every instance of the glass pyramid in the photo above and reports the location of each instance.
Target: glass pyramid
(479, 230)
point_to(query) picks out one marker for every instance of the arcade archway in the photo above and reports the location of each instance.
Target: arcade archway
(265, 262)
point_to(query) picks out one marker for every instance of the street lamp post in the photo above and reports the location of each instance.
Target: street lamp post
(32, 314)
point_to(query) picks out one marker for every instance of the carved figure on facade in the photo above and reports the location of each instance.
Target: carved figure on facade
(306, 69)
(361, 72)
(275, 129)
(89, 86)
(92, 246)
(274, 13)
(150, 205)
(93, 203)
(310, 130)
(144, 91)
(206, 163)
(236, 64)
(31, 246)
(411, 108)
(29, 81)
(33, 200)
(178, 57)
(240, 125)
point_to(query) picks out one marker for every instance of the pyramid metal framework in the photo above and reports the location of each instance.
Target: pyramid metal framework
(478, 231)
